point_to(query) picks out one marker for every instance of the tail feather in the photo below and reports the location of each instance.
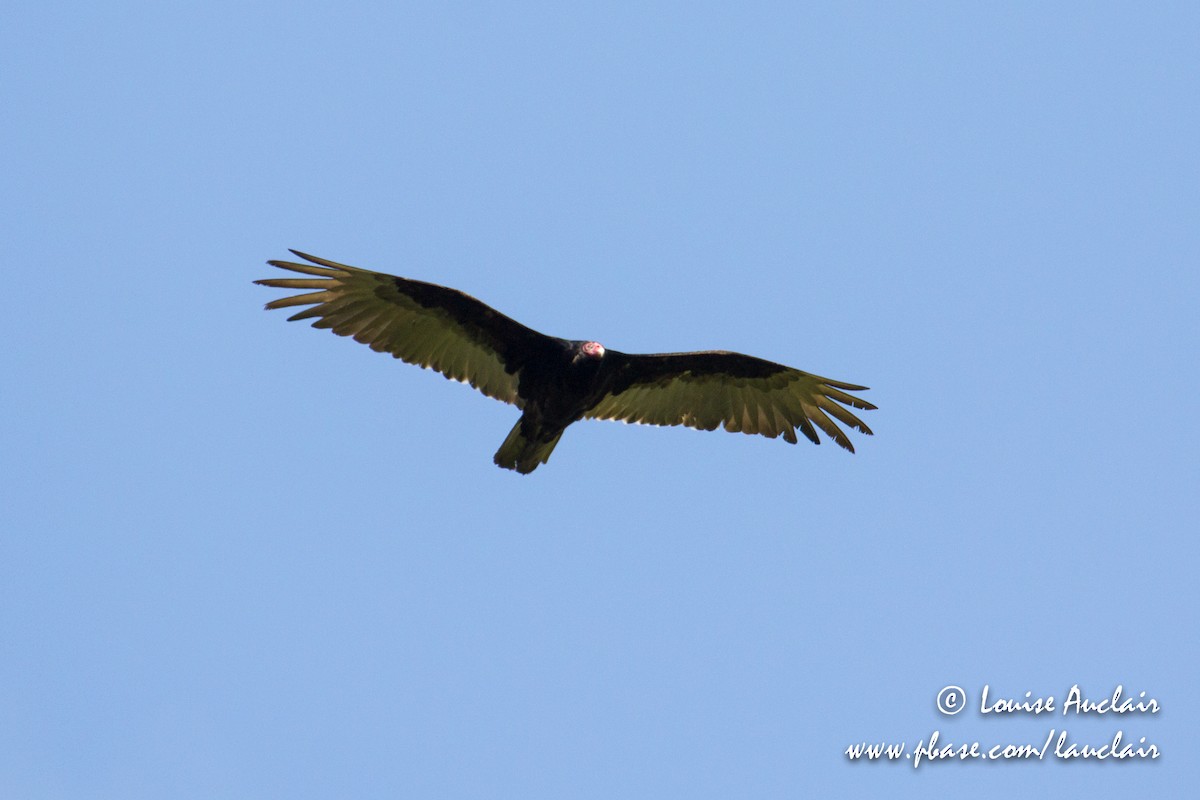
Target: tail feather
(523, 453)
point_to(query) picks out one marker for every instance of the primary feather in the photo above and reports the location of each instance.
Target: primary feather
(556, 382)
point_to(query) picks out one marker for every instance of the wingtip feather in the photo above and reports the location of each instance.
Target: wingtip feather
(324, 262)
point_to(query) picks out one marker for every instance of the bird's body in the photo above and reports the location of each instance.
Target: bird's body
(557, 387)
(556, 382)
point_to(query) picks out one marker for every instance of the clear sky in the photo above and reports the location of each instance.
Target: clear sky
(241, 558)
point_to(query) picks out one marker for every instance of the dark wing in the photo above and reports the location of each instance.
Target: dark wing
(421, 323)
(718, 388)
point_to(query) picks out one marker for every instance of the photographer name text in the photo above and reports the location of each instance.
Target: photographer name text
(1074, 703)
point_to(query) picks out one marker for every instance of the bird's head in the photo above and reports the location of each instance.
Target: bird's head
(589, 350)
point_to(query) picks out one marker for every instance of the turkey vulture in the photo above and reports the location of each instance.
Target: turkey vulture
(557, 381)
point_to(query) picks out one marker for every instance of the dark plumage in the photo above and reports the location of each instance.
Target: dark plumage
(556, 381)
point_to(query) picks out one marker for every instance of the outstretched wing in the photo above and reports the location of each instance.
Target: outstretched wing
(421, 323)
(740, 392)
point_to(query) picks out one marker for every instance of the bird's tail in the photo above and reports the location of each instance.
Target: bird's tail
(522, 453)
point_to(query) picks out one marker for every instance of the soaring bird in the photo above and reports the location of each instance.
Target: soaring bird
(559, 381)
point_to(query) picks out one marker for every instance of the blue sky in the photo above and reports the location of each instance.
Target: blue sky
(244, 558)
